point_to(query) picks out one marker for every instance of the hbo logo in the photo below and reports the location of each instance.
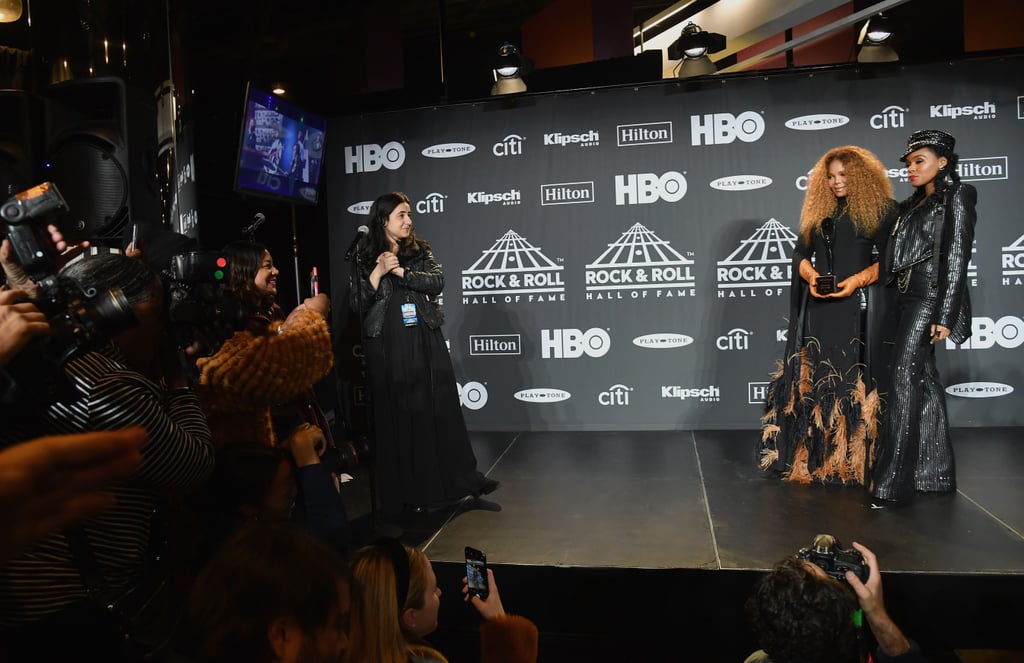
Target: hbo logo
(646, 188)
(1006, 332)
(573, 343)
(724, 128)
(472, 395)
(372, 157)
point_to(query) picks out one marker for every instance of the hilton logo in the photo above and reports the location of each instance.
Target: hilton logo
(495, 344)
(650, 133)
(983, 168)
(757, 392)
(567, 193)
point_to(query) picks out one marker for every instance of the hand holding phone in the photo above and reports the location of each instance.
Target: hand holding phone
(476, 573)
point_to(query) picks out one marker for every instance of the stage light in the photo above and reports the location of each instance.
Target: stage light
(10, 11)
(508, 71)
(278, 90)
(693, 47)
(876, 41)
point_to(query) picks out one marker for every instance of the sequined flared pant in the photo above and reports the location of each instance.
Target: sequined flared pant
(914, 452)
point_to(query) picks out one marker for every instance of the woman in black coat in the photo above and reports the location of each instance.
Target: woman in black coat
(929, 247)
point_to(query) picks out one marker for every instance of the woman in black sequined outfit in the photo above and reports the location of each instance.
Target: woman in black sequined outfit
(929, 247)
(823, 402)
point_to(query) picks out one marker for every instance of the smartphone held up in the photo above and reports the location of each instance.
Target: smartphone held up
(476, 573)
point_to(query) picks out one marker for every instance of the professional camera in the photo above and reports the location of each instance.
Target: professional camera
(80, 319)
(826, 552)
(199, 305)
(346, 454)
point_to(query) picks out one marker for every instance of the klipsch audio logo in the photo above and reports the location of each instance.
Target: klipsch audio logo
(983, 168)
(448, 150)
(648, 133)
(362, 207)
(891, 117)
(761, 264)
(432, 203)
(573, 343)
(371, 157)
(741, 182)
(1013, 262)
(734, 339)
(638, 265)
(1007, 332)
(509, 146)
(542, 395)
(589, 139)
(979, 389)
(983, 111)
(816, 122)
(567, 193)
(709, 394)
(505, 198)
(647, 188)
(511, 271)
(472, 395)
(495, 344)
(757, 392)
(617, 394)
(724, 128)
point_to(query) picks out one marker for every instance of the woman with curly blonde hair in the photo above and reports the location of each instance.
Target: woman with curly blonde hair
(823, 403)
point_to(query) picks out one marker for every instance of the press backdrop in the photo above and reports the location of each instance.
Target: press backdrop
(619, 258)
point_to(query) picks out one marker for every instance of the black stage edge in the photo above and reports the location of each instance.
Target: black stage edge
(632, 546)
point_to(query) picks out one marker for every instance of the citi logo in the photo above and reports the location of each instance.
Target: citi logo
(647, 188)
(816, 122)
(983, 111)
(741, 183)
(734, 339)
(589, 139)
(617, 394)
(573, 343)
(662, 340)
(1006, 332)
(472, 395)
(891, 117)
(448, 150)
(371, 157)
(757, 393)
(509, 146)
(650, 133)
(362, 207)
(709, 394)
(725, 128)
(432, 203)
(542, 395)
(495, 344)
(510, 197)
(979, 389)
(566, 193)
(983, 168)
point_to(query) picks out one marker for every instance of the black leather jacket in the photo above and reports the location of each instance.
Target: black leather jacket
(912, 242)
(423, 280)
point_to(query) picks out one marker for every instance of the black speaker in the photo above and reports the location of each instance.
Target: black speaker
(87, 155)
(17, 143)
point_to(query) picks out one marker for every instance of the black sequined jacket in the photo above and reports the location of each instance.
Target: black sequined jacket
(912, 243)
(423, 281)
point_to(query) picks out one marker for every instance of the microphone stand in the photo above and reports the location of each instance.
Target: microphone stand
(295, 254)
(354, 280)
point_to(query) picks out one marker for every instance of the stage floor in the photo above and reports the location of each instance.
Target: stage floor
(667, 512)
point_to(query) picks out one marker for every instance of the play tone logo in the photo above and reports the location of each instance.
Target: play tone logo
(760, 266)
(542, 395)
(513, 271)
(362, 207)
(448, 150)
(637, 266)
(817, 122)
(979, 389)
(741, 182)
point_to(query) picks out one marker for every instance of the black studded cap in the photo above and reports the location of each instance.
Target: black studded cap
(933, 138)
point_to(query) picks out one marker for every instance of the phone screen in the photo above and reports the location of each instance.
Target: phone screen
(476, 572)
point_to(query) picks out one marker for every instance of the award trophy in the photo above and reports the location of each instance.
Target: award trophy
(826, 284)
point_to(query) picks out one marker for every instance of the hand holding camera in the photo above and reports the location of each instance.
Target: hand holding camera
(479, 587)
(827, 554)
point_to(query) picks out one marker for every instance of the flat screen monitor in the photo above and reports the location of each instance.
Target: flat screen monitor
(280, 150)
